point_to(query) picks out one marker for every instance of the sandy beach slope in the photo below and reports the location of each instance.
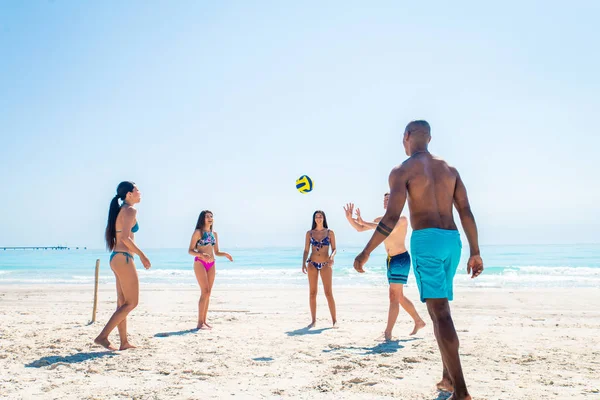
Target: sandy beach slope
(515, 344)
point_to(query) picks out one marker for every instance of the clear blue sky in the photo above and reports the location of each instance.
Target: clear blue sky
(221, 105)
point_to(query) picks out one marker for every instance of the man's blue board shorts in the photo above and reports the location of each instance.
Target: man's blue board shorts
(435, 258)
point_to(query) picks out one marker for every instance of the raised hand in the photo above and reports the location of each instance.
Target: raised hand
(359, 217)
(349, 210)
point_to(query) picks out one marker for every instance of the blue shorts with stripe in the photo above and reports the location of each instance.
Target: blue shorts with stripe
(398, 267)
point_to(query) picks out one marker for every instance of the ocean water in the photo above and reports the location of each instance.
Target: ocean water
(505, 267)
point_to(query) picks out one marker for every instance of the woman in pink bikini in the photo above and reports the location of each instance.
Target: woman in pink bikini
(321, 239)
(204, 246)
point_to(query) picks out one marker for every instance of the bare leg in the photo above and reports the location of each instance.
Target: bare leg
(397, 298)
(395, 294)
(409, 307)
(313, 285)
(446, 383)
(128, 279)
(211, 280)
(327, 278)
(202, 278)
(447, 339)
(122, 327)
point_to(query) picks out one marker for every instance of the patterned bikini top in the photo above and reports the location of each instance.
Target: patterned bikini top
(320, 243)
(207, 239)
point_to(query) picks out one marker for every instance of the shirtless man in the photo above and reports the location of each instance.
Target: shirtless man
(432, 188)
(398, 266)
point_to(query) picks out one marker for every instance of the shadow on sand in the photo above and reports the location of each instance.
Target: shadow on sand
(443, 395)
(176, 333)
(72, 359)
(390, 346)
(306, 331)
(263, 359)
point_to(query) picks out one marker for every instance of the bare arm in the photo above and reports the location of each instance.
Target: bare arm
(461, 202)
(218, 252)
(192, 249)
(467, 220)
(369, 225)
(360, 227)
(129, 217)
(305, 254)
(365, 224)
(332, 246)
(348, 209)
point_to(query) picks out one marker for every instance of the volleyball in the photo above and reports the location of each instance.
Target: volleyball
(304, 184)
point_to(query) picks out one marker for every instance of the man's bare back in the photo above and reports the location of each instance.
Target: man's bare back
(431, 186)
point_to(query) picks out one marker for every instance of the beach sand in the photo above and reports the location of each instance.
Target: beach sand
(515, 344)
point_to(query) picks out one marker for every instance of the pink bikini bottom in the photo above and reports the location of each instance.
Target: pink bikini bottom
(206, 264)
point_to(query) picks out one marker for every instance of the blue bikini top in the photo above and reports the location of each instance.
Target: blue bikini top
(136, 227)
(320, 243)
(207, 239)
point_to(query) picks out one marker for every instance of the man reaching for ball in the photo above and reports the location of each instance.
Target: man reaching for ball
(398, 266)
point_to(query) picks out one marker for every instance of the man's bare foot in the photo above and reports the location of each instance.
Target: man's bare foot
(104, 343)
(418, 325)
(209, 326)
(204, 327)
(126, 346)
(445, 385)
(335, 325)
(312, 325)
(387, 336)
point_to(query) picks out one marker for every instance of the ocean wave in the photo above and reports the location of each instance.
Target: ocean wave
(51, 280)
(510, 277)
(165, 273)
(554, 271)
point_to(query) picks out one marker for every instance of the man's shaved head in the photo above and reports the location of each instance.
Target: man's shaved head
(416, 136)
(420, 127)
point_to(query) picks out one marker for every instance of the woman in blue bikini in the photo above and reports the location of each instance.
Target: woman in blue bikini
(204, 246)
(119, 235)
(320, 238)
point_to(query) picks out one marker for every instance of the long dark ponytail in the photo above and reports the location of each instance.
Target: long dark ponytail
(201, 219)
(111, 231)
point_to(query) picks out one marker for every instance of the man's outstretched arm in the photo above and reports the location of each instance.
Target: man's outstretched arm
(349, 210)
(366, 225)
